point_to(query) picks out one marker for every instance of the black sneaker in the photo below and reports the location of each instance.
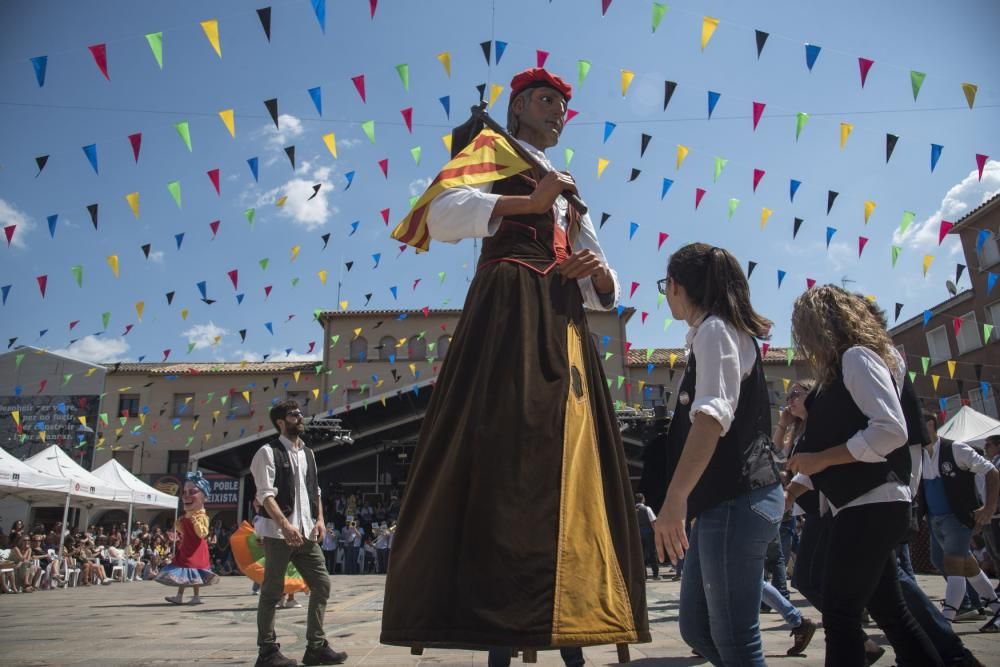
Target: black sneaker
(323, 656)
(270, 656)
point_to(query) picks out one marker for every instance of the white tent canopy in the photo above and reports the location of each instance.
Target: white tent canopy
(20, 480)
(143, 495)
(970, 427)
(54, 461)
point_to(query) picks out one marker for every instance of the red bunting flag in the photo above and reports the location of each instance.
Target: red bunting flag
(267, 291)
(359, 84)
(42, 282)
(981, 163)
(213, 175)
(758, 110)
(698, 194)
(864, 64)
(166, 353)
(385, 216)
(372, 6)
(426, 310)
(956, 324)
(541, 57)
(128, 327)
(628, 346)
(384, 166)
(810, 282)
(100, 53)
(408, 118)
(73, 324)
(571, 114)
(136, 141)
(764, 347)
(644, 315)
(234, 276)
(604, 6)
(41, 386)
(663, 237)
(214, 225)
(943, 231)
(862, 242)
(757, 175)
(635, 286)
(9, 231)
(312, 346)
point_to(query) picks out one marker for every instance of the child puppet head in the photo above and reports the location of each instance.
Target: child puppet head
(195, 492)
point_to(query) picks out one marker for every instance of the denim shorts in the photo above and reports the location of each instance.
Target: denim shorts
(953, 536)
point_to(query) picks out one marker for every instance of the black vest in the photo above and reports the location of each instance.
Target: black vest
(645, 525)
(284, 480)
(743, 459)
(833, 418)
(959, 486)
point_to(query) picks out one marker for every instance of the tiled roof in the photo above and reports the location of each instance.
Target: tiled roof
(220, 368)
(342, 314)
(974, 213)
(661, 356)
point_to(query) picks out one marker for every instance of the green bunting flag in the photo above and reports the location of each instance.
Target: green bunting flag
(907, 219)
(733, 203)
(895, 254)
(415, 152)
(916, 80)
(583, 69)
(369, 127)
(249, 213)
(184, 130)
(720, 164)
(77, 274)
(105, 318)
(175, 191)
(800, 122)
(404, 75)
(659, 9)
(263, 264)
(568, 153)
(155, 40)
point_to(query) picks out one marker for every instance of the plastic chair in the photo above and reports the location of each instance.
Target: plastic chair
(8, 580)
(70, 574)
(119, 567)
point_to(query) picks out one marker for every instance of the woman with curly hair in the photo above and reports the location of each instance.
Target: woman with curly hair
(854, 452)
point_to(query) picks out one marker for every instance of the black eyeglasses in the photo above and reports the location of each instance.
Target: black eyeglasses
(294, 413)
(662, 283)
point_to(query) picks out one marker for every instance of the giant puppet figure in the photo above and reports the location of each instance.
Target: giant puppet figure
(518, 527)
(190, 565)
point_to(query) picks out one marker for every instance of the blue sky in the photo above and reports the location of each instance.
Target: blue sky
(77, 107)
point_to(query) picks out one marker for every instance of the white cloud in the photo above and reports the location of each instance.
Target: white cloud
(300, 206)
(9, 215)
(960, 199)
(418, 186)
(289, 127)
(204, 335)
(278, 355)
(96, 350)
(156, 256)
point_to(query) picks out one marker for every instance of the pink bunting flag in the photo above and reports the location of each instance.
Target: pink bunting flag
(541, 57)
(42, 282)
(385, 216)
(981, 163)
(384, 166)
(213, 175)
(635, 286)
(628, 346)
(408, 118)
(757, 175)
(956, 324)
(267, 291)
(359, 84)
(810, 282)
(426, 310)
(128, 327)
(100, 53)
(41, 386)
(644, 315)
(234, 276)
(166, 354)
(214, 225)
(372, 6)
(73, 324)
(943, 231)
(136, 141)
(764, 347)
(698, 194)
(604, 6)
(9, 231)
(865, 64)
(758, 110)
(663, 237)
(862, 242)
(571, 114)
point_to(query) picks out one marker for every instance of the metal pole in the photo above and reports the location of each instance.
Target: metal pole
(62, 540)
(239, 503)
(376, 471)
(127, 539)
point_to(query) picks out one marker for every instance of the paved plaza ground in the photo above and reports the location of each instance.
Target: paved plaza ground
(130, 624)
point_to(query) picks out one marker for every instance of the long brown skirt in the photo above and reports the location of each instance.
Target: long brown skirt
(518, 524)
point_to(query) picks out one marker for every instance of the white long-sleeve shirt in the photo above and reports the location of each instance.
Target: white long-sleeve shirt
(263, 470)
(467, 212)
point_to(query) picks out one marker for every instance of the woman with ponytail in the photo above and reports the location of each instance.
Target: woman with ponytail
(717, 466)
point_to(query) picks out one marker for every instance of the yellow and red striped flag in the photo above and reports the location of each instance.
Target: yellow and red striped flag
(489, 157)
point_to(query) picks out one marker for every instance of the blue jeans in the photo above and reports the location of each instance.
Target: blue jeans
(500, 656)
(773, 598)
(903, 558)
(928, 616)
(723, 577)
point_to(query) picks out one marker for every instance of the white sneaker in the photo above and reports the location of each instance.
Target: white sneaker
(195, 600)
(173, 599)
(293, 604)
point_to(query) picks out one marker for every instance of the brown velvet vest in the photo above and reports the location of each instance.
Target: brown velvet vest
(526, 239)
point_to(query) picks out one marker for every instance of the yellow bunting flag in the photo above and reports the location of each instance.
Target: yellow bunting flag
(322, 275)
(627, 77)
(296, 375)
(708, 26)
(246, 396)
(495, 91)
(113, 263)
(413, 369)
(139, 307)
(343, 305)
(486, 159)
(184, 313)
(765, 213)
(331, 143)
(934, 380)
(446, 140)
(682, 152)
(970, 90)
(281, 201)
(315, 393)
(229, 120)
(16, 414)
(845, 131)
(133, 201)
(295, 252)
(869, 208)
(602, 164)
(445, 59)
(928, 260)
(786, 382)
(951, 368)
(211, 28)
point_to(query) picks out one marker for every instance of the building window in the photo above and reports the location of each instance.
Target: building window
(991, 252)
(359, 349)
(301, 397)
(357, 395)
(387, 348)
(937, 345)
(128, 405)
(177, 461)
(993, 315)
(968, 334)
(416, 349)
(984, 403)
(444, 342)
(654, 395)
(125, 457)
(239, 405)
(183, 405)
